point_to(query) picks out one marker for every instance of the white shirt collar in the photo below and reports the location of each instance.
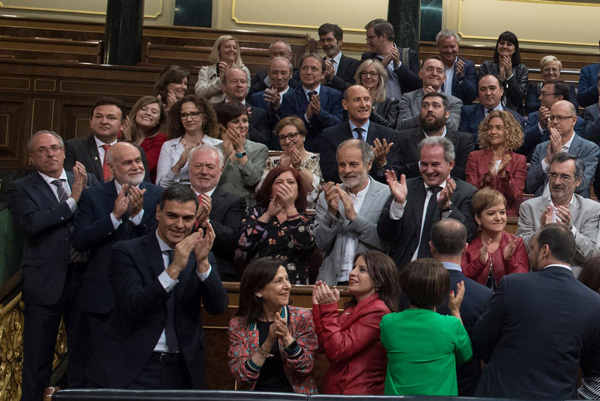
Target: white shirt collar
(317, 89)
(569, 142)
(443, 133)
(209, 193)
(559, 265)
(48, 179)
(164, 247)
(100, 143)
(337, 58)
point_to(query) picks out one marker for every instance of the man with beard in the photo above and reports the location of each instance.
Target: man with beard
(358, 103)
(564, 206)
(339, 69)
(432, 73)
(120, 209)
(347, 214)
(433, 117)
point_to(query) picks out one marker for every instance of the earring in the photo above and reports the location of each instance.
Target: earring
(259, 295)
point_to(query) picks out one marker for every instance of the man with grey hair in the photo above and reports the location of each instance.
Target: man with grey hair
(262, 80)
(280, 72)
(564, 206)
(347, 214)
(222, 209)
(418, 203)
(461, 76)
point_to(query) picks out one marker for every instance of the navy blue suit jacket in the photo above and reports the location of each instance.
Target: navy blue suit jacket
(465, 90)
(587, 89)
(472, 115)
(94, 231)
(542, 324)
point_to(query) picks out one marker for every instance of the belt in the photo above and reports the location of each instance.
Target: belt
(166, 357)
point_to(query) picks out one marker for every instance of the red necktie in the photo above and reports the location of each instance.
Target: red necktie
(105, 170)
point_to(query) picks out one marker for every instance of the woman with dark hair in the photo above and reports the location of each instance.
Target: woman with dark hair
(372, 75)
(145, 127)
(192, 122)
(278, 225)
(590, 383)
(272, 345)
(244, 159)
(507, 66)
(171, 85)
(497, 165)
(424, 347)
(291, 134)
(357, 360)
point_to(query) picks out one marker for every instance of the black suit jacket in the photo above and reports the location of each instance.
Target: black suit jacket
(408, 75)
(344, 77)
(260, 126)
(85, 151)
(543, 323)
(408, 141)
(46, 250)
(404, 233)
(94, 231)
(226, 214)
(258, 81)
(141, 312)
(337, 134)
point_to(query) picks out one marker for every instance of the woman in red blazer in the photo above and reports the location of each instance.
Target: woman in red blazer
(357, 360)
(494, 253)
(496, 165)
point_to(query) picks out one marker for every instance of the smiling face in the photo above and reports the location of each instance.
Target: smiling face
(311, 72)
(551, 71)
(191, 118)
(490, 92)
(506, 48)
(47, 155)
(105, 122)
(448, 48)
(179, 89)
(493, 219)
(331, 46)
(369, 77)
(285, 178)
(239, 124)
(358, 104)
(276, 294)
(360, 284)
(495, 132)
(279, 73)
(291, 138)
(434, 169)
(562, 186)
(228, 51)
(148, 117)
(432, 73)
(126, 164)
(547, 97)
(175, 221)
(352, 169)
(205, 170)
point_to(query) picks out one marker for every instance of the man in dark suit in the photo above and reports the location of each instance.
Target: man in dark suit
(433, 117)
(587, 89)
(402, 65)
(461, 77)
(262, 80)
(43, 204)
(155, 339)
(418, 203)
(339, 69)
(542, 324)
(357, 102)
(106, 121)
(490, 97)
(120, 209)
(319, 106)
(448, 242)
(224, 210)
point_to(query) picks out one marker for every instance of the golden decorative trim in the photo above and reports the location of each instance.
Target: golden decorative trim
(11, 349)
(57, 10)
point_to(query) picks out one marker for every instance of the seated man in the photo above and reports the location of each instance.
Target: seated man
(347, 214)
(262, 81)
(339, 69)
(319, 106)
(432, 74)
(461, 77)
(490, 98)
(433, 122)
(401, 64)
(587, 89)
(562, 139)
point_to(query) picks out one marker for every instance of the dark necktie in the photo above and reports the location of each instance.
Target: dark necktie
(359, 132)
(170, 333)
(74, 256)
(424, 246)
(311, 94)
(105, 169)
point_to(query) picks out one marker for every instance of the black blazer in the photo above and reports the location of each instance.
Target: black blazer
(141, 312)
(94, 231)
(258, 81)
(404, 233)
(337, 134)
(409, 152)
(85, 151)
(386, 113)
(46, 249)
(408, 75)
(344, 77)
(260, 126)
(542, 325)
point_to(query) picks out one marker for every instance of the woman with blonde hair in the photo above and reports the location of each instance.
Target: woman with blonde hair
(224, 55)
(550, 68)
(373, 76)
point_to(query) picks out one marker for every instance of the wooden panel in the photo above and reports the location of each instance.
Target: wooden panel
(42, 115)
(14, 131)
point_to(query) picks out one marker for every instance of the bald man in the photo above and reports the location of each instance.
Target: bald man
(120, 209)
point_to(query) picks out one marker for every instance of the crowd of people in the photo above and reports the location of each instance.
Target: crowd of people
(385, 175)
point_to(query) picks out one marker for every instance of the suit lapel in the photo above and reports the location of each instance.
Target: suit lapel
(419, 195)
(94, 156)
(39, 183)
(301, 98)
(153, 255)
(372, 134)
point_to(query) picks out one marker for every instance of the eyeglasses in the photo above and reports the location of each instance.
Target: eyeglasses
(193, 114)
(563, 177)
(291, 136)
(543, 94)
(369, 74)
(52, 149)
(559, 118)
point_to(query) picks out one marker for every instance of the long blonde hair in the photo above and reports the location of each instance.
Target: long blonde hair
(214, 53)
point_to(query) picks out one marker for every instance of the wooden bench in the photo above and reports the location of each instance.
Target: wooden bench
(89, 51)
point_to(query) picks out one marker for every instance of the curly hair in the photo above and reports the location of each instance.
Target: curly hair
(210, 126)
(513, 133)
(263, 194)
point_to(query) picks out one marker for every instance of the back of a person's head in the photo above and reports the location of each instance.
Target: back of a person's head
(448, 237)
(425, 282)
(560, 241)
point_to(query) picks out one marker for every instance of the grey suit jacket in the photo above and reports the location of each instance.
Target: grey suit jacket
(331, 232)
(410, 111)
(586, 150)
(585, 218)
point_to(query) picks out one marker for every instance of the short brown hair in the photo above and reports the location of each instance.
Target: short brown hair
(425, 282)
(291, 120)
(486, 198)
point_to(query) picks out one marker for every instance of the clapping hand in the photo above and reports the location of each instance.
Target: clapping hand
(399, 190)
(322, 294)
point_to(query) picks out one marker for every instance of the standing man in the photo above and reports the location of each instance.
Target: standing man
(222, 209)
(43, 204)
(542, 324)
(347, 214)
(117, 210)
(418, 203)
(155, 339)
(461, 77)
(402, 64)
(106, 122)
(358, 103)
(262, 80)
(339, 69)
(587, 89)
(432, 74)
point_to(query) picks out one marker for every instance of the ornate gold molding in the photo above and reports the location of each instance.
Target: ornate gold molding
(82, 12)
